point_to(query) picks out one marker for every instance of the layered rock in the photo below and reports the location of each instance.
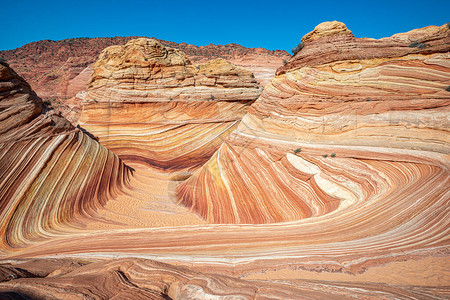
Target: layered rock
(130, 278)
(58, 70)
(148, 104)
(369, 220)
(51, 174)
(345, 123)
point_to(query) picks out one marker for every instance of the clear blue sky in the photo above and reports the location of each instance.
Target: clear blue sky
(271, 24)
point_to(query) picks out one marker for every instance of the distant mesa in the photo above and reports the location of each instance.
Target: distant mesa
(58, 70)
(149, 104)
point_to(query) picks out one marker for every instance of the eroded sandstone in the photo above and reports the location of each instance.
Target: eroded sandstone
(339, 112)
(148, 104)
(51, 174)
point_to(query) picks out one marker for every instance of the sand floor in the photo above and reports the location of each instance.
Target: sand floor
(150, 202)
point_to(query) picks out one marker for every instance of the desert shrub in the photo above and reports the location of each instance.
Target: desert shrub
(212, 97)
(418, 45)
(297, 150)
(296, 49)
(333, 154)
(325, 155)
(285, 61)
(447, 88)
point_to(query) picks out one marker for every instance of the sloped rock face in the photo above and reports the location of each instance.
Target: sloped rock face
(147, 103)
(346, 123)
(51, 174)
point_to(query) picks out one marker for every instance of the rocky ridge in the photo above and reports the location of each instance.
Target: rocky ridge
(58, 70)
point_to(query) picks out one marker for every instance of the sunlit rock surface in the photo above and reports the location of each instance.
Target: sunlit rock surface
(334, 185)
(134, 278)
(346, 121)
(51, 174)
(147, 103)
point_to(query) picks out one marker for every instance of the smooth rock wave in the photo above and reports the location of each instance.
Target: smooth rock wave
(51, 174)
(334, 185)
(318, 138)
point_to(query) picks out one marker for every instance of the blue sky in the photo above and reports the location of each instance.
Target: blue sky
(270, 24)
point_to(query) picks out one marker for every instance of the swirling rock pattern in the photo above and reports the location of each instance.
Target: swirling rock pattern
(51, 174)
(148, 104)
(148, 279)
(317, 138)
(322, 191)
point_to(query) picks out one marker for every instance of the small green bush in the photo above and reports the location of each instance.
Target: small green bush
(333, 154)
(421, 46)
(296, 49)
(285, 61)
(297, 150)
(418, 45)
(212, 98)
(447, 88)
(325, 155)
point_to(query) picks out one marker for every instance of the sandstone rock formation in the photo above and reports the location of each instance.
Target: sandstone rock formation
(58, 70)
(130, 278)
(148, 104)
(380, 106)
(334, 185)
(50, 172)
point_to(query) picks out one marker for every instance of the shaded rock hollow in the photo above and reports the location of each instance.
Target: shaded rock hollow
(147, 103)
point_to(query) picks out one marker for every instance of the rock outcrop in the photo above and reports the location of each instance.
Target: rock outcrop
(346, 122)
(147, 103)
(333, 185)
(58, 70)
(130, 278)
(51, 174)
